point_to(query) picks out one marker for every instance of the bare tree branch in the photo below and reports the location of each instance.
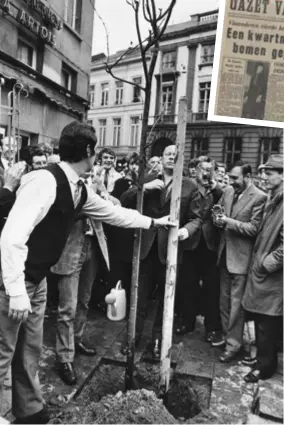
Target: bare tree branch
(104, 24)
(131, 4)
(154, 14)
(168, 17)
(126, 52)
(143, 53)
(148, 9)
(146, 17)
(109, 71)
(162, 14)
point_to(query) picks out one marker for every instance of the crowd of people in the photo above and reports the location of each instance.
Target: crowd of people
(64, 215)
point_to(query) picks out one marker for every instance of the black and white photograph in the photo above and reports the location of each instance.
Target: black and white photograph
(141, 242)
(247, 80)
(255, 90)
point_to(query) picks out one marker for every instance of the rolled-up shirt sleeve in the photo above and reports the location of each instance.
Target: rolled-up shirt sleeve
(34, 198)
(99, 209)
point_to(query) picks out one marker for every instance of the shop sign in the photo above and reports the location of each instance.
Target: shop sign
(45, 12)
(45, 34)
(22, 16)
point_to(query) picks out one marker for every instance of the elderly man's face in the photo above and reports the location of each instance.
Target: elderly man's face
(169, 157)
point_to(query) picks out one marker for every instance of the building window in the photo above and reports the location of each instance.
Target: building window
(92, 96)
(102, 132)
(207, 55)
(68, 78)
(134, 131)
(26, 53)
(118, 92)
(199, 147)
(137, 90)
(232, 150)
(167, 98)
(116, 131)
(204, 96)
(73, 14)
(268, 146)
(105, 90)
(169, 60)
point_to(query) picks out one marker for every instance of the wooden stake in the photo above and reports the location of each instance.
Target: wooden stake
(171, 272)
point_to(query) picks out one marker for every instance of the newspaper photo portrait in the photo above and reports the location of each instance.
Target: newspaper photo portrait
(248, 72)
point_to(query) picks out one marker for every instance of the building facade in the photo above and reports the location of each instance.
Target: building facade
(45, 51)
(116, 107)
(184, 68)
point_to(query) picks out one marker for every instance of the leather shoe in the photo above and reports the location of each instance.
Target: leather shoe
(252, 377)
(227, 356)
(67, 373)
(41, 417)
(83, 349)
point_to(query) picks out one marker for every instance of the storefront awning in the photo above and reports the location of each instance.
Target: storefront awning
(34, 87)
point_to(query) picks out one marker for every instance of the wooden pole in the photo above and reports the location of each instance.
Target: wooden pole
(171, 273)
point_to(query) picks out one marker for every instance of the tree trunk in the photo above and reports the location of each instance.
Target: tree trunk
(137, 238)
(171, 273)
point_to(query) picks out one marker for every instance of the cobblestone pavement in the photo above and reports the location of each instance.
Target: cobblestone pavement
(231, 399)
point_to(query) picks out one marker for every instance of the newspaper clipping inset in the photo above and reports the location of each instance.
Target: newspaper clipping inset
(248, 74)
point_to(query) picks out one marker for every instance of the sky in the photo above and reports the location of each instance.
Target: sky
(118, 17)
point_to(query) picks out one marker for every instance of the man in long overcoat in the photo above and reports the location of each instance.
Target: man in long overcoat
(264, 291)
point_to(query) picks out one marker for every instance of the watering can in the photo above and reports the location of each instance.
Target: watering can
(116, 303)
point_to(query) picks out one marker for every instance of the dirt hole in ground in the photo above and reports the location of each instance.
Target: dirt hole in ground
(103, 399)
(188, 395)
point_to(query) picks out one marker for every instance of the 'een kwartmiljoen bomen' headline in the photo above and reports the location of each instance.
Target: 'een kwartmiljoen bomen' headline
(250, 82)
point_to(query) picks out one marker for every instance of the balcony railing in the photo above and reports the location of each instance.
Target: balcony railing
(165, 118)
(199, 117)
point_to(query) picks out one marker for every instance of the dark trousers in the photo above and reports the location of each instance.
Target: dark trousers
(267, 335)
(20, 347)
(151, 281)
(197, 265)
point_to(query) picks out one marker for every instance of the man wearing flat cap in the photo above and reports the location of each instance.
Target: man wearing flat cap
(263, 295)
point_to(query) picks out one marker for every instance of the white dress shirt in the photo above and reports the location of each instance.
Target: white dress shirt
(34, 198)
(5, 163)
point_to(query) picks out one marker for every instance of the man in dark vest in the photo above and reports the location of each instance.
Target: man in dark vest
(32, 241)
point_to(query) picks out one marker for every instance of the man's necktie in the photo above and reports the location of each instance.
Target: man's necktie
(106, 178)
(235, 199)
(77, 193)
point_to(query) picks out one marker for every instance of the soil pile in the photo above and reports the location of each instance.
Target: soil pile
(133, 407)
